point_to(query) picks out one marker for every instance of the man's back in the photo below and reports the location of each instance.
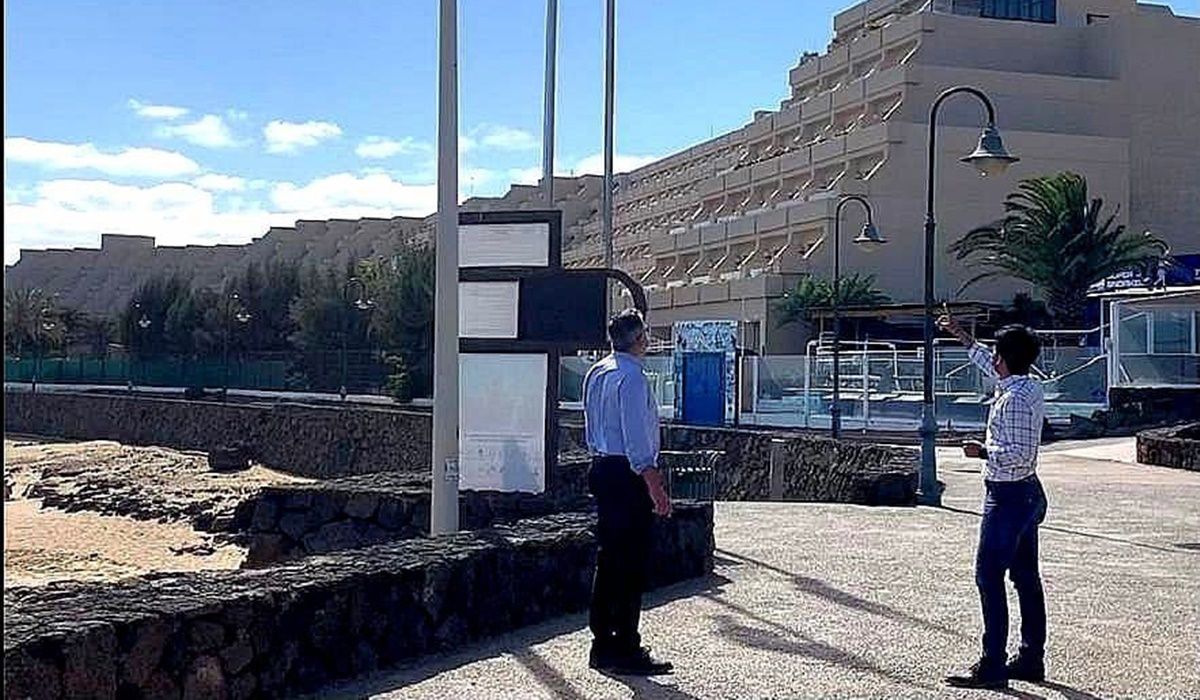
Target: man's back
(620, 412)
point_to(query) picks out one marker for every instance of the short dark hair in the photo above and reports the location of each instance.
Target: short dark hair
(1019, 346)
(624, 328)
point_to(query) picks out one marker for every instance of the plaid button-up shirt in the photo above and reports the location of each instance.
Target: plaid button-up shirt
(1014, 424)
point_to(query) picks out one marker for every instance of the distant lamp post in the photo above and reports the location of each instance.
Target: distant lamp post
(990, 158)
(142, 323)
(361, 303)
(44, 325)
(868, 239)
(242, 317)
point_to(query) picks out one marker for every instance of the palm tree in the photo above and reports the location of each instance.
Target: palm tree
(1055, 237)
(813, 293)
(27, 312)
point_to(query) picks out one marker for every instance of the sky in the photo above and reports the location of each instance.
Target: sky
(203, 122)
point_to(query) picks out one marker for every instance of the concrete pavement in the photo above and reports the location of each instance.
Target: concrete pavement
(832, 601)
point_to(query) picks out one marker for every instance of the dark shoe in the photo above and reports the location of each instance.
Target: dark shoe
(600, 659)
(640, 663)
(980, 676)
(1026, 669)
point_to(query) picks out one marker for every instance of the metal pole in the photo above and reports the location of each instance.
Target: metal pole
(928, 490)
(345, 332)
(225, 353)
(610, 62)
(444, 486)
(835, 410)
(548, 101)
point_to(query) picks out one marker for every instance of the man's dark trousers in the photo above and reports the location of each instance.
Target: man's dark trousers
(1008, 541)
(625, 514)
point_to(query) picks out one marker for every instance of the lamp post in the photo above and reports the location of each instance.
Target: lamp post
(44, 325)
(241, 316)
(990, 158)
(142, 323)
(868, 239)
(361, 303)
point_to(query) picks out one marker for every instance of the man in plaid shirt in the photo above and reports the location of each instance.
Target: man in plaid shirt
(1014, 505)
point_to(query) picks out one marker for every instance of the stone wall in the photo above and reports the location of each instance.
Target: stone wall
(293, 628)
(332, 442)
(307, 440)
(1177, 446)
(780, 465)
(294, 520)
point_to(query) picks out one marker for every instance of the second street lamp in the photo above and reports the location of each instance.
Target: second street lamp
(990, 158)
(241, 316)
(361, 303)
(868, 239)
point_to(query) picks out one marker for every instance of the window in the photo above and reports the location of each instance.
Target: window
(1172, 332)
(1026, 10)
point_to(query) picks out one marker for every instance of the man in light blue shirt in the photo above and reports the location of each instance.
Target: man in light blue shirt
(621, 423)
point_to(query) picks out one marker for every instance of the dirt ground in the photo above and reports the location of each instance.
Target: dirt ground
(104, 511)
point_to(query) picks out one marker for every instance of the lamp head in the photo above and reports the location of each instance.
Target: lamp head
(364, 304)
(990, 157)
(143, 322)
(870, 238)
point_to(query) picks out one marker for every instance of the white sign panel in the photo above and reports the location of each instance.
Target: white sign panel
(488, 309)
(502, 422)
(504, 245)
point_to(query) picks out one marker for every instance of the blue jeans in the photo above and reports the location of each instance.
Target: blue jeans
(1008, 541)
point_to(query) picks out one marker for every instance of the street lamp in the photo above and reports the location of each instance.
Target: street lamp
(990, 158)
(361, 303)
(868, 239)
(241, 316)
(43, 326)
(143, 323)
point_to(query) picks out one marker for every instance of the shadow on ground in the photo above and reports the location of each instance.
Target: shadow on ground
(519, 644)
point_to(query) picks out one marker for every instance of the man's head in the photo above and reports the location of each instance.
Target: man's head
(1017, 348)
(627, 332)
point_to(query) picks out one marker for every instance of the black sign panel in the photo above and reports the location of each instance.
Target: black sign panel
(563, 308)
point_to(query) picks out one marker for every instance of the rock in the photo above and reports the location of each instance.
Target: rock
(266, 514)
(139, 662)
(205, 636)
(362, 505)
(391, 514)
(26, 676)
(265, 549)
(90, 663)
(228, 459)
(237, 656)
(294, 525)
(332, 537)
(204, 680)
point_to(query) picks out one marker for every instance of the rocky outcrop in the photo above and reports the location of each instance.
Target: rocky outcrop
(293, 628)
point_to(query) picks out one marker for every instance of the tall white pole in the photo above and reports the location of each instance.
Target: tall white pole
(444, 507)
(548, 101)
(610, 61)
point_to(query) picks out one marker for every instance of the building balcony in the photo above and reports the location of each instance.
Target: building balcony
(888, 80)
(829, 149)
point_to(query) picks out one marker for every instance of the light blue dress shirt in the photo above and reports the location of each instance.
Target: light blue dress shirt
(620, 412)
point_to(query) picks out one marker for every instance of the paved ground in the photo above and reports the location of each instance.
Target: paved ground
(818, 601)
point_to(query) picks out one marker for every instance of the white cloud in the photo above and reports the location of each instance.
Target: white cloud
(215, 182)
(379, 147)
(209, 131)
(503, 138)
(373, 192)
(73, 212)
(622, 163)
(290, 137)
(149, 111)
(139, 162)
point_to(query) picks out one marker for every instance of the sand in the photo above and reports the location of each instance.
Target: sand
(102, 484)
